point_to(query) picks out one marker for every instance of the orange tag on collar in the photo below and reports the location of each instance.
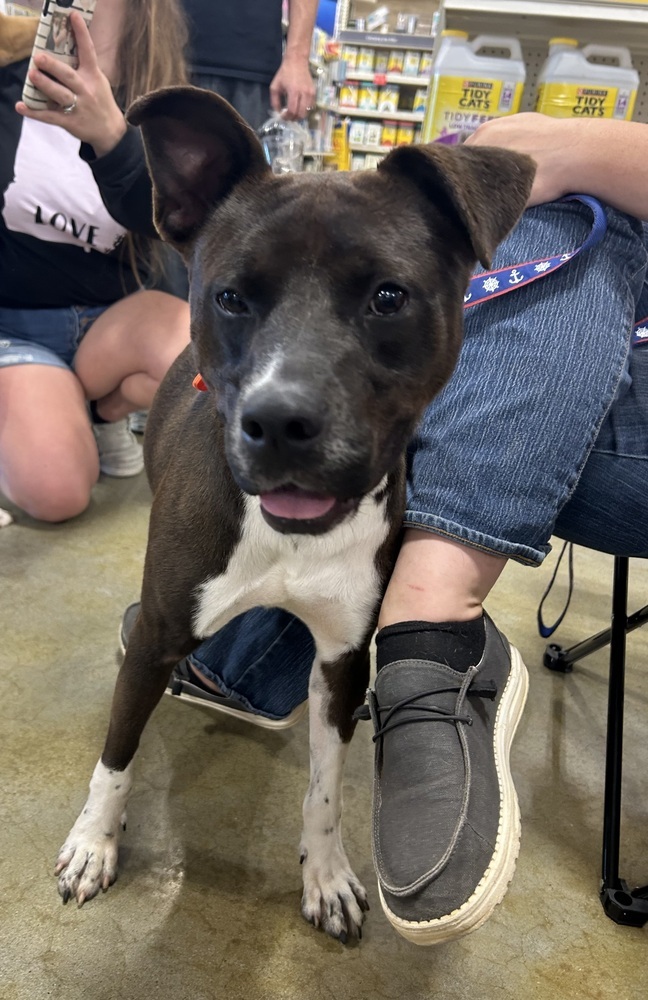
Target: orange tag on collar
(199, 383)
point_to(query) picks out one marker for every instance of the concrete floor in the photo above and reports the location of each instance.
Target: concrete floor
(207, 904)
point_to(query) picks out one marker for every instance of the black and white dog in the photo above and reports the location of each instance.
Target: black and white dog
(326, 314)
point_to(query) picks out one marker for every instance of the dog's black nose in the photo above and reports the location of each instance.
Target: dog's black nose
(280, 420)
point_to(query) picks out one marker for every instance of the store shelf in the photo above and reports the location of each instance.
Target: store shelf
(538, 20)
(377, 150)
(390, 116)
(374, 40)
(624, 13)
(396, 78)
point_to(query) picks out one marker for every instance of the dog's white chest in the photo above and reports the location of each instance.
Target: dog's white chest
(330, 581)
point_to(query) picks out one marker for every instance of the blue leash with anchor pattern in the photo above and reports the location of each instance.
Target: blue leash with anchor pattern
(491, 284)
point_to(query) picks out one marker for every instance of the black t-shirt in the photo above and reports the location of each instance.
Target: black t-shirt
(237, 38)
(63, 212)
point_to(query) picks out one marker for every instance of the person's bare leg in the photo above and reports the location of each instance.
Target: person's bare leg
(128, 350)
(48, 455)
(436, 579)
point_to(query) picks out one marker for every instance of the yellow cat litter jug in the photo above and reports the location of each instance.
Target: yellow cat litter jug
(570, 85)
(468, 88)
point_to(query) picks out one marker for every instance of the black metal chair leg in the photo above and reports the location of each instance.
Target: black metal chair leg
(621, 904)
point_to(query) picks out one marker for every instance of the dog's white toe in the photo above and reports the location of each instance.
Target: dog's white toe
(334, 900)
(86, 865)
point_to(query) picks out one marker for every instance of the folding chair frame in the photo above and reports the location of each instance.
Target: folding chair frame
(621, 904)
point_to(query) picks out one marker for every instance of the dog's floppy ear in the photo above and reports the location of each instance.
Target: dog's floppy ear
(487, 188)
(197, 149)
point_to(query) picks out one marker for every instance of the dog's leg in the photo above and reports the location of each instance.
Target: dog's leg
(87, 861)
(333, 897)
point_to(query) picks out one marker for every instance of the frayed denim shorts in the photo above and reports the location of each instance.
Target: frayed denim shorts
(44, 336)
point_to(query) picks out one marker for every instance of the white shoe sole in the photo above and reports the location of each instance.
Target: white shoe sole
(122, 471)
(256, 720)
(497, 877)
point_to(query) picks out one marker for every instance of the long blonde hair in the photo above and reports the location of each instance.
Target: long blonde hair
(152, 48)
(151, 54)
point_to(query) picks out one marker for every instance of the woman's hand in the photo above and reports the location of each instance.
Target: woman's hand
(604, 157)
(549, 141)
(96, 118)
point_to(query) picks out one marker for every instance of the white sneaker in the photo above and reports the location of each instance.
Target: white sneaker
(137, 421)
(119, 453)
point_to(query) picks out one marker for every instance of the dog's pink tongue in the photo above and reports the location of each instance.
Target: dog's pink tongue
(296, 505)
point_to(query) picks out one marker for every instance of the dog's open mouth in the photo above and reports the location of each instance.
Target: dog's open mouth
(293, 510)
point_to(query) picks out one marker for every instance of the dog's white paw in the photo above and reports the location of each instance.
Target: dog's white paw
(87, 862)
(334, 899)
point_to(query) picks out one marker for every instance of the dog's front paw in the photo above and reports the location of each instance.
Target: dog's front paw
(87, 862)
(333, 897)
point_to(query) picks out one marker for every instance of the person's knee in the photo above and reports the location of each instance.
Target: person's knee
(53, 498)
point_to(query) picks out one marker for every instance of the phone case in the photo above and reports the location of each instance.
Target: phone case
(55, 36)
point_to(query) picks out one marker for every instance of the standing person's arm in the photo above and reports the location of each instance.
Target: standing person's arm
(293, 86)
(605, 158)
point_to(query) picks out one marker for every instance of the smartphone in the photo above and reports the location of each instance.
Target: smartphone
(55, 36)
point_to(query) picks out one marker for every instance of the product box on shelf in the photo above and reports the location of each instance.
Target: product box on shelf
(366, 58)
(373, 131)
(350, 56)
(357, 132)
(388, 134)
(349, 93)
(377, 18)
(411, 63)
(340, 156)
(368, 96)
(404, 134)
(388, 98)
(425, 65)
(381, 64)
(420, 99)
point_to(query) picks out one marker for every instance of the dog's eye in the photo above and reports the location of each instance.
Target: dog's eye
(231, 302)
(388, 300)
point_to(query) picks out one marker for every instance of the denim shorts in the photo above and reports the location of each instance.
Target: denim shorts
(44, 336)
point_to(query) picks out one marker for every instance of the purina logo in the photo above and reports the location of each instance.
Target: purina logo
(589, 92)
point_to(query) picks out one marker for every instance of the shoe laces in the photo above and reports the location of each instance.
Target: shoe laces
(383, 715)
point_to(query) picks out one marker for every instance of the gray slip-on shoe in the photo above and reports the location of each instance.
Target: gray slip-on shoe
(181, 686)
(446, 820)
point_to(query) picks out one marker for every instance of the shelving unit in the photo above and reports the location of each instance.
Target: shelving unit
(395, 78)
(390, 116)
(534, 22)
(412, 86)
